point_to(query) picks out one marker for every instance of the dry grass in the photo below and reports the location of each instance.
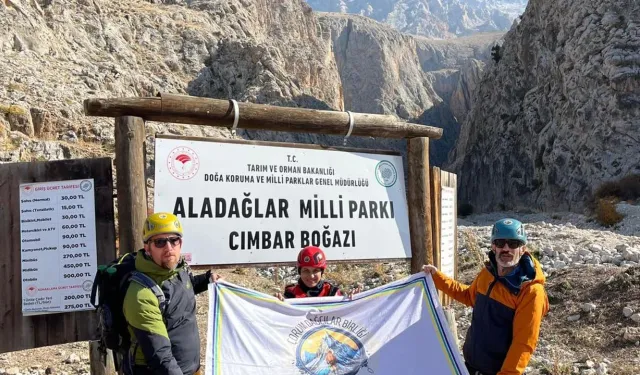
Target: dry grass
(596, 335)
(346, 276)
(189, 25)
(588, 336)
(558, 367)
(10, 144)
(85, 149)
(248, 277)
(606, 213)
(378, 270)
(241, 271)
(475, 252)
(623, 369)
(17, 87)
(12, 109)
(534, 249)
(26, 155)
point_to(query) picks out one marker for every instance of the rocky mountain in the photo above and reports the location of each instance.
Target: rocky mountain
(559, 113)
(56, 54)
(381, 70)
(432, 18)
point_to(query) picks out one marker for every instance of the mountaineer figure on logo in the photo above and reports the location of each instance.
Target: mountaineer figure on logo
(311, 264)
(334, 357)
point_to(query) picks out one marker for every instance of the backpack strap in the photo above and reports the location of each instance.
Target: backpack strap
(148, 282)
(97, 280)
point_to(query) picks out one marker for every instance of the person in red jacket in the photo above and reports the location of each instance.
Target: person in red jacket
(508, 300)
(311, 264)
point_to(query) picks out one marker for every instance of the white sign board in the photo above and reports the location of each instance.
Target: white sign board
(58, 246)
(246, 203)
(448, 231)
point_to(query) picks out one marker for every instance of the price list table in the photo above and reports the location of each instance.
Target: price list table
(58, 246)
(448, 231)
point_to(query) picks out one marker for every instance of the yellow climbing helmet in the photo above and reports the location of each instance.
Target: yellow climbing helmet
(161, 223)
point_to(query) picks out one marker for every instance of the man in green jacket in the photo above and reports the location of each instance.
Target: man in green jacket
(162, 318)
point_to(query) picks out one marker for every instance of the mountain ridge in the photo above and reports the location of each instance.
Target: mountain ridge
(432, 18)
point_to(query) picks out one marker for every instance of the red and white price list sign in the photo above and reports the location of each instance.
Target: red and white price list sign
(58, 246)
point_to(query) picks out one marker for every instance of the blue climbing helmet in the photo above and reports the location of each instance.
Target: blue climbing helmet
(508, 229)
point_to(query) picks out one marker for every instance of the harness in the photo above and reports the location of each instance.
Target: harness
(324, 290)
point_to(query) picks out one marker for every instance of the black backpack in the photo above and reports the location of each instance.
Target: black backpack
(107, 295)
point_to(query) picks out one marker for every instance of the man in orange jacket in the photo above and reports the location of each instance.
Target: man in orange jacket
(508, 300)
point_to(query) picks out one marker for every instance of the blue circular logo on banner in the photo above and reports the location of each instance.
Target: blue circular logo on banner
(326, 350)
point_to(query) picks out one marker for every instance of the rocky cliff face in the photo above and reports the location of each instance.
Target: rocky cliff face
(432, 18)
(56, 54)
(418, 79)
(384, 71)
(380, 71)
(560, 112)
(277, 55)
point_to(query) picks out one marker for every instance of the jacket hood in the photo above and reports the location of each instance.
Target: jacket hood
(528, 271)
(159, 274)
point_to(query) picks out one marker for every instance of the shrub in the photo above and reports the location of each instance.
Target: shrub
(378, 270)
(625, 189)
(495, 53)
(606, 213)
(11, 109)
(534, 250)
(241, 271)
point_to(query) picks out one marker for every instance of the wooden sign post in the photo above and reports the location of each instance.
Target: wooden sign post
(131, 186)
(419, 199)
(131, 113)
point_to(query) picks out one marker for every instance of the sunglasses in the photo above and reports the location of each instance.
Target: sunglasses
(162, 242)
(513, 244)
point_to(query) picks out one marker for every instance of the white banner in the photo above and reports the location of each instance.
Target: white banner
(398, 328)
(251, 203)
(58, 246)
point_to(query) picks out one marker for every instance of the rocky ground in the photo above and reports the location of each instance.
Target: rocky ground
(593, 282)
